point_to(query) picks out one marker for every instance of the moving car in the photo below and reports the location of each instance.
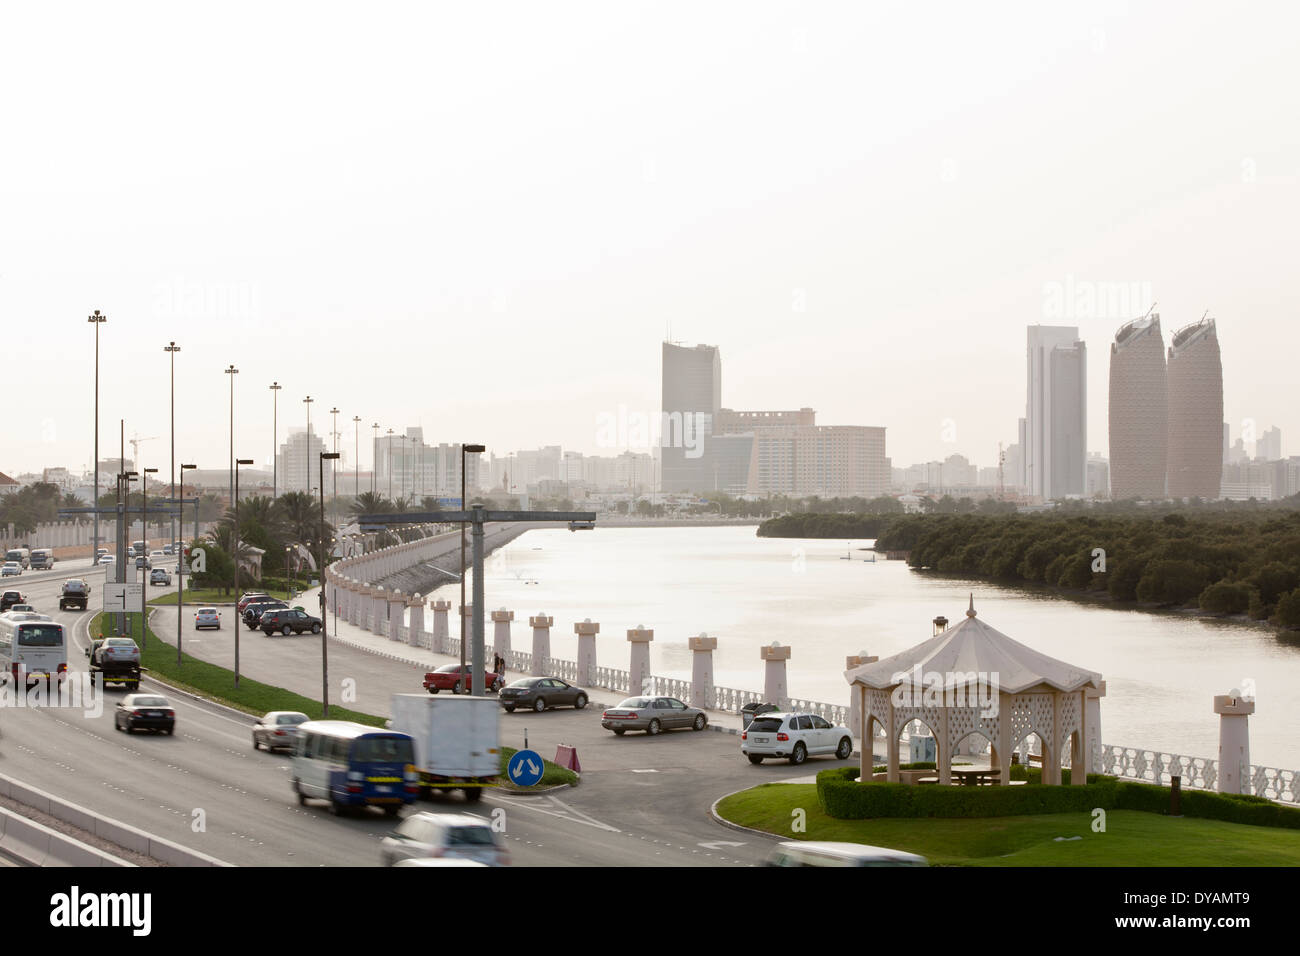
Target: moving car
(435, 835)
(106, 559)
(278, 730)
(795, 737)
(117, 659)
(812, 853)
(21, 556)
(652, 714)
(10, 598)
(142, 562)
(160, 576)
(541, 693)
(75, 595)
(288, 620)
(11, 569)
(146, 711)
(451, 677)
(352, 765)
(43, 559)
(207, 617)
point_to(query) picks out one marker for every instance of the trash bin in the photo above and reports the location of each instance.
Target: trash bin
(750, 711)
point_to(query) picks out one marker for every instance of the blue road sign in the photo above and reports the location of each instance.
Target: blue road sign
(525, 768)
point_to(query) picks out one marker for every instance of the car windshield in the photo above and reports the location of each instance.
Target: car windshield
(291, 718)
(207, 610)
(469, 836)
(636, 702)
(383, 749)
(40, 635)
(526, 682)
(449, 669)
(120, 642)
(764, 725)
(149, 702)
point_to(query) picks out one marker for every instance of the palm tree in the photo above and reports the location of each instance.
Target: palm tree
(301, 516)
(369, 503)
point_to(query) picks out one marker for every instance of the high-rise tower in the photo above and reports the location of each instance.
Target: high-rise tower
(1056, 412)
(1139, 411)
(1195, 372)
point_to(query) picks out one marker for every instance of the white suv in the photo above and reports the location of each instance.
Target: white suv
(795, 737)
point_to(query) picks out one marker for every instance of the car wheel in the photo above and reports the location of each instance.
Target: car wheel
(315, 628)
(539, 705)
(580, 702)
(458, 687)
(473, 794)
(171, 730)
(390, 810)
(433, 690)
(845, 749)
(619, 731)
(653, 728)
(302, 798)
(800, 754)
(256, 745)
(755, 759)
(509, 708)
(285, 631)
(699, 722)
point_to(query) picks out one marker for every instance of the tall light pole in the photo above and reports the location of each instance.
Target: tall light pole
(144, 533)
(334, 478)
(476, 449)
(234, 546)
(405, 463)
(356, 463)
(98, 320)
(275, 436)
(324, 616)
(388, 467)
(180, 562)
(374, 458)
(173, 348)
(232, 372)
(306, 456)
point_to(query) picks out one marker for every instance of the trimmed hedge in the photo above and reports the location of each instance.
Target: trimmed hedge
(841, 796)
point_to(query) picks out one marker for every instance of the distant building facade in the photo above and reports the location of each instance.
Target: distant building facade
(1056, 412)
(1139, 411)
(1195, 373)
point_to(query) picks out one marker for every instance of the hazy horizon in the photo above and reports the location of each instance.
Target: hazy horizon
(484, 222)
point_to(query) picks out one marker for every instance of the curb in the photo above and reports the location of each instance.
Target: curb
(535, 793)
(34, 844)
(718, 818)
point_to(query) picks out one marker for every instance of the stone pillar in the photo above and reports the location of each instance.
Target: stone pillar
(378, 609)
(1004, 737)
(541, 625)
(774, 687)
(586, 631)
(852, 662)
(1234, 741)
(501, 619)
(702, 648)
(639, 680)
(1092, 726)
(396, 611)
(354, 601)
(467, 612)
(439, 643)
(415, 636)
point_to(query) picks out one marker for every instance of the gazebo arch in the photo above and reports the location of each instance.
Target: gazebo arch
(973, 679)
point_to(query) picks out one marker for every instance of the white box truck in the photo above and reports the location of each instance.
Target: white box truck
(456, 740)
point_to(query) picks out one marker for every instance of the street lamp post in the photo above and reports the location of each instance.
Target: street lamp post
(173, 348)
(306, 455)
(388, 465)
(324, 616)
(97, 320)
(356, 462)
(374, 458)
(144, 533)
(334, 478)
(275, 436)
(124, 480)
(234, 546)
(180, 562)
(232, 372)
(475, 449)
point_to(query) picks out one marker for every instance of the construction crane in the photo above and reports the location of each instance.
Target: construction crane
(135, 447)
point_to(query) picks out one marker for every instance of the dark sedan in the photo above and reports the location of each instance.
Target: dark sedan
(288, 621)
(540, 693)
(145, 711)
(253, 612)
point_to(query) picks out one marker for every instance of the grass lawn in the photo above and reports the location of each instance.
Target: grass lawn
(212, 596)
(1132, 838)
(252, 697)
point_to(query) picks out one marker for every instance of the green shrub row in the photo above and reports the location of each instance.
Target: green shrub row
(842, 796)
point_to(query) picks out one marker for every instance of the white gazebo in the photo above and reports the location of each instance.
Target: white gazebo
(972, 679)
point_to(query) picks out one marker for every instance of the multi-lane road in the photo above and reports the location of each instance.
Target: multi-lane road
(643, 801)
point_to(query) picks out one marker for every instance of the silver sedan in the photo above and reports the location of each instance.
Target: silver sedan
(652, 714)
(278, 730)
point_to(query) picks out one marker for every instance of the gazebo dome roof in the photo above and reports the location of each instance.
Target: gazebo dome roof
(974, 646)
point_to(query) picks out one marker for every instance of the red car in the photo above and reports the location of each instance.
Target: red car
(249, 598)
(451, 677)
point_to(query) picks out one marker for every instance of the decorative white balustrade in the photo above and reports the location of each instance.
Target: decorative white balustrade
(836, 713)
(1153, 766)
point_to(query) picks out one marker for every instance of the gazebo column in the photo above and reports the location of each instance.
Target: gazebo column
(866, 760)
(1092, 725)
(1052, 746)
(891, 769)
(851, 662)
(1004, 739)
(1079, 761)
(942, 747)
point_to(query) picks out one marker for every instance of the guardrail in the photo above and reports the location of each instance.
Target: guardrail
(1198, 773)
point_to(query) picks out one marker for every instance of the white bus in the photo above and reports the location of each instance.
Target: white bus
(22, 555)
(32, 646)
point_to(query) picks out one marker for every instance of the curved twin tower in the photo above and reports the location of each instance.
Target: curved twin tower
(1166, 412)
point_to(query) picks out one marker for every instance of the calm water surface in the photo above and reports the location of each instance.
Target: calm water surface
(1162, 670)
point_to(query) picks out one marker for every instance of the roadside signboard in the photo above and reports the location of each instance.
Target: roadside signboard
(124, 598)
(525, 768)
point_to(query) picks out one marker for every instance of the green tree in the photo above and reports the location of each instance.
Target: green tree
(1288, 610)
(1171, 582)
(1226, 597)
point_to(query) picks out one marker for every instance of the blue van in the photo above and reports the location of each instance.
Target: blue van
(352, 765)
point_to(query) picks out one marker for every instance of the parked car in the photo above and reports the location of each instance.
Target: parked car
(11, 569)
(652, 714)
(251, 597)
(146, 711)
(253, 612)
(434, 835)
(161, 577)
(814, 853)
(207, 617)
(288, 620)
(451, 677)
(795, 737)
(10, 598)
(278, 730)
(541, 693)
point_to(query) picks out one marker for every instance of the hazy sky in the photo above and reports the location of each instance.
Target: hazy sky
(484, 218)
